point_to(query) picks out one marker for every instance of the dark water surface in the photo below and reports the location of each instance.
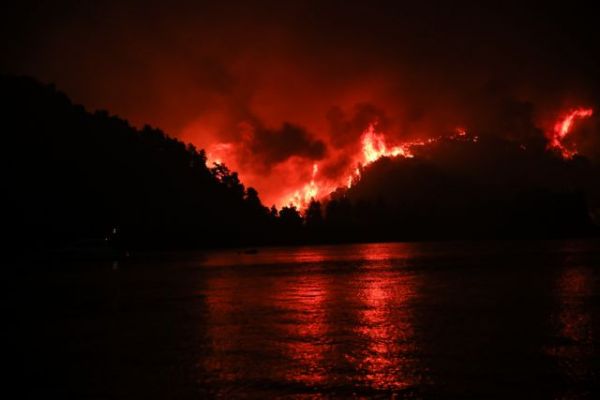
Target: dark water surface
(418, 320)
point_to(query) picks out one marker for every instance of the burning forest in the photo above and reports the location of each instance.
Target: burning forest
(305, 105)
(300, 199)
(372, 146)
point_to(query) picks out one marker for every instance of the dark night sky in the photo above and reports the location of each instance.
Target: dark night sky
(306, 75)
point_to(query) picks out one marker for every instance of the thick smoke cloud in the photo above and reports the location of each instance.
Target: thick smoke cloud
(207, 71)
(347, 129)
(261, 148)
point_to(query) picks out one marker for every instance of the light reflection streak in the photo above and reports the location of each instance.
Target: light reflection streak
(573, 321)
(313, 324)
(304, 337)
(386, 326)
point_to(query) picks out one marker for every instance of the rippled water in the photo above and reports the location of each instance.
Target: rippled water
(445, 320)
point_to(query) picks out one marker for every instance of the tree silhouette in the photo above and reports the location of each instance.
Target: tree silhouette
(76, 175)
(72, 175)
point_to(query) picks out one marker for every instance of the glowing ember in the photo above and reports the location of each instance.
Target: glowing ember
(562, 128)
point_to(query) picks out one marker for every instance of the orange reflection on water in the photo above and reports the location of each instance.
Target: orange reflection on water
(221, 328)
(386, 323)
(309, 255)
(266, 327)
(574, 348)
(304, 334)
(318, 318)
(385, 252)
(575, 287)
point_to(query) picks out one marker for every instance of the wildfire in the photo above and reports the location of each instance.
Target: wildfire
(562, 128)
(373, 147)
(310, 191)
(219, 152)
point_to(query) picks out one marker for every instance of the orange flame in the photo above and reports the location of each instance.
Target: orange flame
(562, 128)
(373, 147)
(303, 196)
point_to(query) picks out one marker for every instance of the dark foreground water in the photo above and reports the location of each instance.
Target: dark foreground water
(447, 320)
